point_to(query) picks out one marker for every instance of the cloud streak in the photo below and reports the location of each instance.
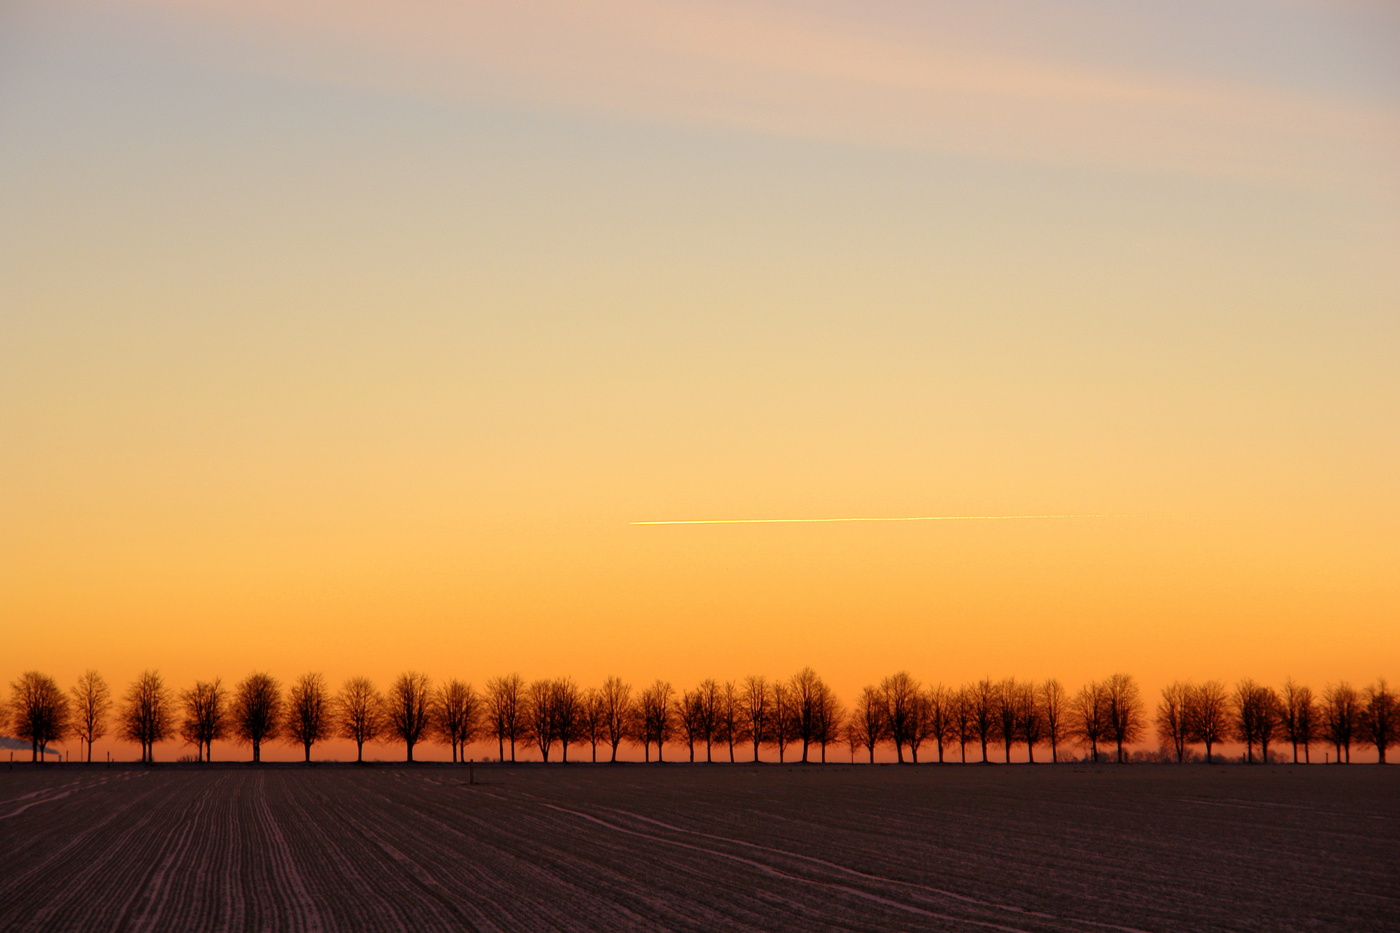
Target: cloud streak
(808, 74)
(912, 518)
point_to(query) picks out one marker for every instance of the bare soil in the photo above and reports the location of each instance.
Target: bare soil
(721, 847)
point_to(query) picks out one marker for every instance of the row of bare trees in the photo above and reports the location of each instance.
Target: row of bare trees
(1256, 715)
(798, 716)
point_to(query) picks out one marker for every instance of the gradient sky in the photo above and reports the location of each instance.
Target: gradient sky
(353, 336)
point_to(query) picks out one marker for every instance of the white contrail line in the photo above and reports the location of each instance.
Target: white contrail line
(914, 518)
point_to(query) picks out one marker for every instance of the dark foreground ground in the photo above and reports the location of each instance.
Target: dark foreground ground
(582, 847)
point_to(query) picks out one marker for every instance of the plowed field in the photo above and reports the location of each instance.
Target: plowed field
(633, 847)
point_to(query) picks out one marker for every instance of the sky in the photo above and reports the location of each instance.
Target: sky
(354, 337)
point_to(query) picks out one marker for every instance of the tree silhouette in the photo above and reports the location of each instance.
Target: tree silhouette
(758, 709)
(407, 716)
(206, 717)
(566, 704)
(709, 727)
(1054, 707)
(868, 721)
(1007, 717)
(1030, 719)
(1208, 715)
(1125, 713)
(964, 720)
(92, 702)
(1341, 712)
(1171, 717)
(591, 719)
(256, 712)
(1256, 718)
(1299, 718)
(729, 717)
(40, 711)
(831, 716)
(310, 713)
(782, 724)
(1377, 725)
(505, 711)
(1090, 716)
(939, 717)
(615, 700)
(900, 693)
(657, 718)
(690, 713)
(147, 714)
(984, 704)
(805, 690)
(456, 712)
(360, 712)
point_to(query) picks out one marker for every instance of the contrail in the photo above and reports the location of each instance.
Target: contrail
(913, 518)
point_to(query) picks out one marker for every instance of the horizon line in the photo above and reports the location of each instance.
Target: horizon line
(914, 518)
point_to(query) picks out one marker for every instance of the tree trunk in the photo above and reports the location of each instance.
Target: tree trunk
(308, 752)
(359, 751)
(408, 748)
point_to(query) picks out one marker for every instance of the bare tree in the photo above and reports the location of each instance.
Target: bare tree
(146, 716)
(1256, 717)
(964, 720)
(1125, 714)
(505, 711)
(782, 725)
(1089, 716)
(1007, 714)
(918, 724)
(593, 720)
(831, 715)
(1207, 715)
(869, 720)
(1171, 717)
(730, 716)
(360, 711)
(310, 715)
(657, 718)
(92, 702)
(984, 704)
(456, 712)
(1341, 711)
(616, 699)
(758, 709)
(206, 717)
(901, 693)
(257, 711)
(40, 711)
(853, 736)
(1377, 720)
(804, 691)
(939, 721)
(1299, 722)
(566, 702)
(1030, 719)
(407, 716)
(1054, 706)
(539, 717)
(710, 725)
(690, 710)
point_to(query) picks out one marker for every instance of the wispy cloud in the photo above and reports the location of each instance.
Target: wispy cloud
(786, 71)
(913, 518)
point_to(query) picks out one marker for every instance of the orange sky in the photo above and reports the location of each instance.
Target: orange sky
(353, 339)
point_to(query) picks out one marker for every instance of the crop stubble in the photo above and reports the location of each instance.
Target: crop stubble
(1032, 849)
